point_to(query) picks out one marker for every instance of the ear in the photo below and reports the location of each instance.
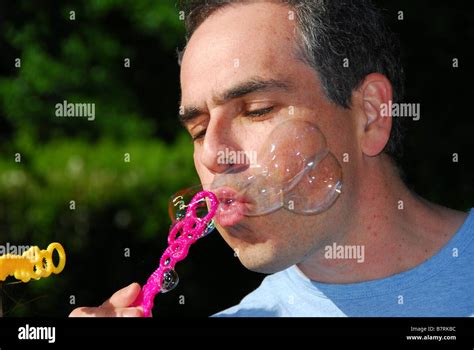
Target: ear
(373, 100)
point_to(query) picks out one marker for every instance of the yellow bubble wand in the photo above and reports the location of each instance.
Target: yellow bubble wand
(33, 263)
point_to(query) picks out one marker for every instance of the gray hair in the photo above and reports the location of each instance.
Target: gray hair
(332, 32)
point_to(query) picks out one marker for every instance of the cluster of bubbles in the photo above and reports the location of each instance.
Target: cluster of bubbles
(294, 170)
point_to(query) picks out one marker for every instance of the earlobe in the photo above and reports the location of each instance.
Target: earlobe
(375, 92)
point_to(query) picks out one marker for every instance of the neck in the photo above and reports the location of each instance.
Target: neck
(390, 230)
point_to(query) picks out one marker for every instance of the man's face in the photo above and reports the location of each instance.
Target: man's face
(240, 77)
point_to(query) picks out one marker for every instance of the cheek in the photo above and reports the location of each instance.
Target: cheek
(204, 175)
(197, 164)
(341, 135)
(343, 143)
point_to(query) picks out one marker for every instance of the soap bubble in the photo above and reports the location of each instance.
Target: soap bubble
(295, 170)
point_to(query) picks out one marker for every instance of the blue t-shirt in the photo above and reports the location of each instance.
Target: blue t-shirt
(441, 286)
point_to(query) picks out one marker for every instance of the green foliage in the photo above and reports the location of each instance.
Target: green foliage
(93, 175)
(116, 202)
(36, 193)
(83, 60)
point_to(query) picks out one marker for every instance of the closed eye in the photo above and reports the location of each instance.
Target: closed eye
(259, 112)
(199, 135)
(255, 113)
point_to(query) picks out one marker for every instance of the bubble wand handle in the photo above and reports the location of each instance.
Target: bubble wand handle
(182, 235)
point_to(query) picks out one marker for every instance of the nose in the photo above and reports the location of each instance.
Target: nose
(219, 148)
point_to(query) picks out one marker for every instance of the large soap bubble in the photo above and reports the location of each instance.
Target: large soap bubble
(294, 169)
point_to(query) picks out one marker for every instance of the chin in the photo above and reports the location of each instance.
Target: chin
(263, 258)
(264, 253)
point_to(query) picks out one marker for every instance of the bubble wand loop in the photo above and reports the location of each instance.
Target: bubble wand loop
(182, 235)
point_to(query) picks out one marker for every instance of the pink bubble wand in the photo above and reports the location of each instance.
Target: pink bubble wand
(183, 234)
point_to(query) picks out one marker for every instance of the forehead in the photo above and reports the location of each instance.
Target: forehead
(236, 42)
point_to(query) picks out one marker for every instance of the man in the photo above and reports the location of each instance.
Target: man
(246, 64)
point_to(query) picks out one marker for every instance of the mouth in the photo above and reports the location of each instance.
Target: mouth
(232, 206)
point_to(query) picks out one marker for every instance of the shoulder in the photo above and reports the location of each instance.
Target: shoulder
(265, 301)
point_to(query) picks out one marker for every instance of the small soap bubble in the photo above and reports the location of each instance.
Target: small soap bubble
(170, 281)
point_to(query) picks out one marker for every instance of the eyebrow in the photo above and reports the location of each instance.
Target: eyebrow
(250, 86)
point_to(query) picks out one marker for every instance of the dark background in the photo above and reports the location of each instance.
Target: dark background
(124, 205)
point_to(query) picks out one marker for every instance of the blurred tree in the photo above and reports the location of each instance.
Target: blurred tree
(116, 54)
